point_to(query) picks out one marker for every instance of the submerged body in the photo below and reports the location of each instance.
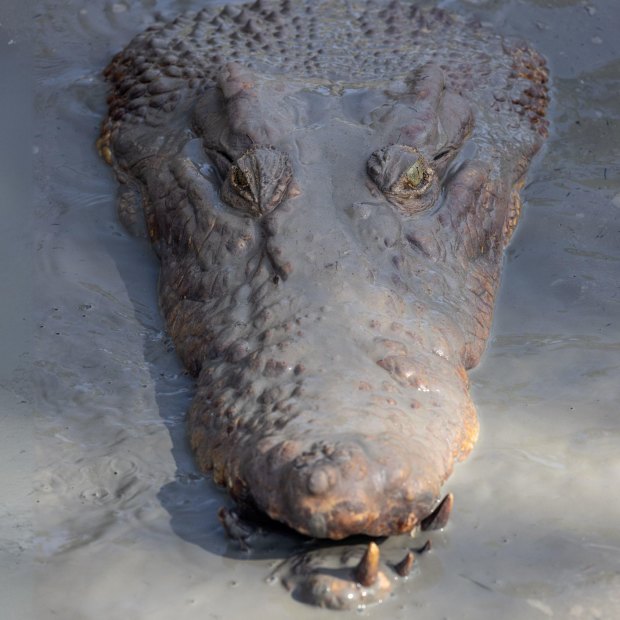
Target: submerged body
(329, 187)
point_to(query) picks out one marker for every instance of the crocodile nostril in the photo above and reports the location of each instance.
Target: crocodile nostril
(321, 480)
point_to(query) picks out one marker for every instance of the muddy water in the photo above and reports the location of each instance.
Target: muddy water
(104, 515)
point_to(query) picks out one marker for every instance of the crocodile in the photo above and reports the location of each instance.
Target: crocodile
(329, 187)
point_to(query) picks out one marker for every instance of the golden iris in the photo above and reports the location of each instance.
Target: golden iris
(414, 175)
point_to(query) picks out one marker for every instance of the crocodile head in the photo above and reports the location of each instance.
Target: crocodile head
(330, 248)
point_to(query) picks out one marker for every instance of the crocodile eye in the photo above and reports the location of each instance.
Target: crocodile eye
(258, 181)
(404, 176)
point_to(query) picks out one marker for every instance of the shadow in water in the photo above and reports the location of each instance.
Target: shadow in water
(192, 499)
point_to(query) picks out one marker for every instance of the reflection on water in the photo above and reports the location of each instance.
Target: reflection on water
(126, 525)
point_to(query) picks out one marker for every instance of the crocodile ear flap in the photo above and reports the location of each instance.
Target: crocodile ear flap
(425, 84)
(236, 81)
(438, 116)
(244, 99)
(412, 118)
(217, 116)
(222, 107)
(422, 97)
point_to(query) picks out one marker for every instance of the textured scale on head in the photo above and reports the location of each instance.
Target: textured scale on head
(329, 187)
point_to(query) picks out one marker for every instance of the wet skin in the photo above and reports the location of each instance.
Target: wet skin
(331, 244)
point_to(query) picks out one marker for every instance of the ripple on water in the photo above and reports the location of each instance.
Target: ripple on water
(97, 499)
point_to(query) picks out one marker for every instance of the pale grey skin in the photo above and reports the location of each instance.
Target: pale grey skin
(330, 190)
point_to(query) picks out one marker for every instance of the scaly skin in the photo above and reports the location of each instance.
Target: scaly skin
(330, 187)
